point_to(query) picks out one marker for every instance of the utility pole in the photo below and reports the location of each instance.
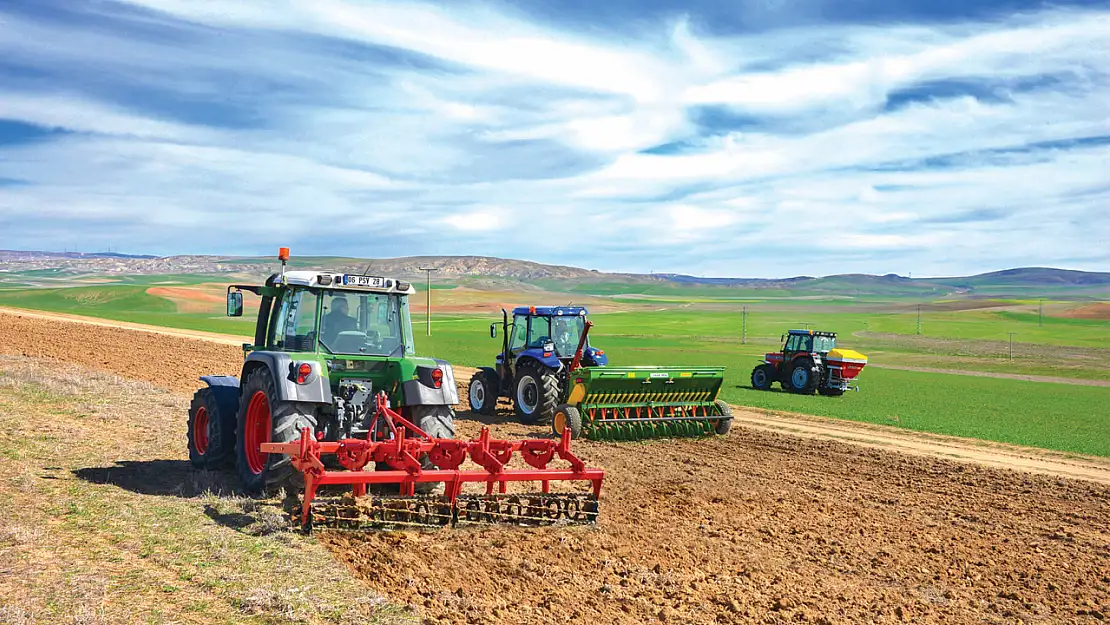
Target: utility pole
(919, 319)
(1012, 346)
(428, 313)
(1040, 314)
(744, 327)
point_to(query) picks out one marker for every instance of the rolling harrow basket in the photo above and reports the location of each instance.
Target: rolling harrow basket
(398, 456)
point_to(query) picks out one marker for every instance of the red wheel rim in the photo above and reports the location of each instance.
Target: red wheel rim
(256, 431)
(200, 430)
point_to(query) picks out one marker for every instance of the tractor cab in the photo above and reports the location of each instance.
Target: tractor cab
(808, 342)
(549, 334)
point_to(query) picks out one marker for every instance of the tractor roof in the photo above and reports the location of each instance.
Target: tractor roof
(550, 311)
(344, 282)
(812, 333)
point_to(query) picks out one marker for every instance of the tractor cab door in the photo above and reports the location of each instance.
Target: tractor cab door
(796, 344)
(518, 341)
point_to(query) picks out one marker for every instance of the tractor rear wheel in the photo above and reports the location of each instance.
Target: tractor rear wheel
(536, 394)
(804, 376)
(211, 434)
(263, 418)
(483, 392)
(567, 417)
(725, 422)
(762, 377)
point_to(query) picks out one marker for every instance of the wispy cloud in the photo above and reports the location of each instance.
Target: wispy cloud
(682, 138)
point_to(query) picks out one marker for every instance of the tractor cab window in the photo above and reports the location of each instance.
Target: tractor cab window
(520, 333)
(565, 333)
(798, 343)
(362, 323)
(294, 329)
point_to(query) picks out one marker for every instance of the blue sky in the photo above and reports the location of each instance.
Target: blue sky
(747, 138)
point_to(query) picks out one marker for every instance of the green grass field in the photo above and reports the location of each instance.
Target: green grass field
(1056, 416)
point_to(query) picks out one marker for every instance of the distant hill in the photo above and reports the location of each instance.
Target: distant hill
(1031, 276)
(487, 272)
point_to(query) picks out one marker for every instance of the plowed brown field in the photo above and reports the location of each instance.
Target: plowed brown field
(758, 526)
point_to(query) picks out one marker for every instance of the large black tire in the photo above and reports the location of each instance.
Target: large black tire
(830, 392)
(261, 472)
(535, 405)
(763, 376)
(211, 433)
(438, 422)
(725, 422)
(483, 391)
(803, 376)
(567, 417)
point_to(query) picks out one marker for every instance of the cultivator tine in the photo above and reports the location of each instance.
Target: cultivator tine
(401, 452)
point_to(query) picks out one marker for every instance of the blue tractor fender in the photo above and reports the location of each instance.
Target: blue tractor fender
(551, 362)
(226, 390)
(593, 357)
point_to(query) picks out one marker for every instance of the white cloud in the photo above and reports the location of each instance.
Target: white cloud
(405, 119)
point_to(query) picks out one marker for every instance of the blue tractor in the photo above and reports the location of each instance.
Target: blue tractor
(537, 352)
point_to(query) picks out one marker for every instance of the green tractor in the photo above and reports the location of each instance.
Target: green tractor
(325, 345)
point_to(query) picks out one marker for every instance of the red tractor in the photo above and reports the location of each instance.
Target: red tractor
(810, 361)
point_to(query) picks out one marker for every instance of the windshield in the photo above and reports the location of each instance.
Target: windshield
(564, 332)
(368, 324)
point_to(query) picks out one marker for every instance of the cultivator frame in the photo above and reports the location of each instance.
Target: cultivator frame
(397, 443)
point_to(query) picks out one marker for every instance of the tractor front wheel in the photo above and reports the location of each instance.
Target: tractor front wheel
(804, 376)
(567, 417)
(211, 434)
(536, 394)
(263, 418)
(762, 377)
(483, 392)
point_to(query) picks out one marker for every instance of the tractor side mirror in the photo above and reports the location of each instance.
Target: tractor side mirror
(235, 304)
(493, 330)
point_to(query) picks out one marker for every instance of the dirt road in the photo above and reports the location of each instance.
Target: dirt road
(777, 522)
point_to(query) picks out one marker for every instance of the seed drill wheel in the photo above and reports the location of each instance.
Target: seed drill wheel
(263, 418)
(722, 426)
(567, 417)
(211, 434)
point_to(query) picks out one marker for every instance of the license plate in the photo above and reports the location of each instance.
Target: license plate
(373, 282)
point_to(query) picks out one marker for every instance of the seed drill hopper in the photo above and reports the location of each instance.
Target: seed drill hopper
(549, 371)
(396, 447)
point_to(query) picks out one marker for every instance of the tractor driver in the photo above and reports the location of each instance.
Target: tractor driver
(337, 320)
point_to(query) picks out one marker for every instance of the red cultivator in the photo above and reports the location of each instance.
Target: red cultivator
(406, 456)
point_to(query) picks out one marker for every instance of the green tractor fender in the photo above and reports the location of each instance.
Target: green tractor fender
(423, 388)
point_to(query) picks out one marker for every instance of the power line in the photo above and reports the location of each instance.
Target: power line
(427, 271)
